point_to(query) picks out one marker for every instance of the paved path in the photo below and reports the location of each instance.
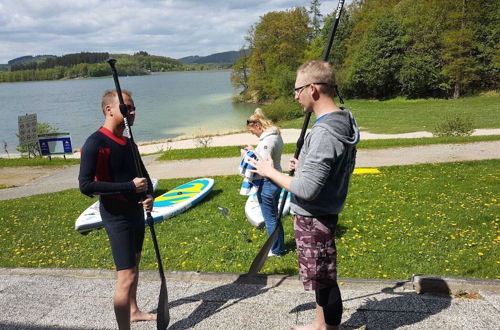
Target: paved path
(36, 299)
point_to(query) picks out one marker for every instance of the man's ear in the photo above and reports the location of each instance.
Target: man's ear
(107, 110)
(315, 92)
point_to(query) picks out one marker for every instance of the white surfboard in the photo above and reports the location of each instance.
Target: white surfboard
(254, 213)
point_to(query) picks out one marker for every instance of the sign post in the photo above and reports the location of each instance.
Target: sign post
(55, 144)
(28, 137)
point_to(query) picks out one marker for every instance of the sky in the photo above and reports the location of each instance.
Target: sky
(174, 28)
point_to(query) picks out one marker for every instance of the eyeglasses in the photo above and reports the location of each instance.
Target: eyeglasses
(298, 90)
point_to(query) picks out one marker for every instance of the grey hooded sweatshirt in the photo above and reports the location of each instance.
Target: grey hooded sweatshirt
(326, 162)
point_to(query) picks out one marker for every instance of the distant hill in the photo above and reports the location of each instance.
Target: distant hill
(224, 57)
(29, 59)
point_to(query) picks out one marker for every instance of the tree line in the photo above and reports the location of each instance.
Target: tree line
(383, 49)
(62, 61)
(85, 65)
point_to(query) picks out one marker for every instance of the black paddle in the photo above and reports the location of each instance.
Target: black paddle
(163, 314)
(224, 212)
(260, 258)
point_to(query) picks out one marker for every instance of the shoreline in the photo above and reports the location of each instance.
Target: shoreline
(242, 138)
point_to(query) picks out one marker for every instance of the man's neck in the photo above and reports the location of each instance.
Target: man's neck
(323, 106)
(116, 130)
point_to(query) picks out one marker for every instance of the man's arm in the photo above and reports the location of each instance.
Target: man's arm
(89, 160)
(265, 168)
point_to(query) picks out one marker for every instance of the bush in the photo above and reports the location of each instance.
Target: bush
(455, 126)
(282, 109)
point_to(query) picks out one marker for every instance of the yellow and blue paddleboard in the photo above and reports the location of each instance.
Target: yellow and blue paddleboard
(181, 198)
(166, 206)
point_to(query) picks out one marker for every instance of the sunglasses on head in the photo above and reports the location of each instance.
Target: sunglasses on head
(251, 122)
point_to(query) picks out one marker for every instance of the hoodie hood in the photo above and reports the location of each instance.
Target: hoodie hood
(268, 132)
(342, 125)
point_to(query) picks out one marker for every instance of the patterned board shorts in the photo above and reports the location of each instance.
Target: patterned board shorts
(316, 250)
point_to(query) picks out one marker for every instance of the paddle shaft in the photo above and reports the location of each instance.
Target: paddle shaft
(260, 258)
(163, 316)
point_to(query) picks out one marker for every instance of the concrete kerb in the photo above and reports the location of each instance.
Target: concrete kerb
(418, 283)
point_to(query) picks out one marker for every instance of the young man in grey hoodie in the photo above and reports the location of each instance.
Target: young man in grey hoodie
(319, 187)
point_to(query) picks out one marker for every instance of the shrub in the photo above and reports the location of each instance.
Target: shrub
(455, 126)
(282, 109)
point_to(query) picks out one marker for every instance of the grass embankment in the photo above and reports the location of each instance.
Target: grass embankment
(37, 161)
(233, 151)
(439, 219)
(400, 115)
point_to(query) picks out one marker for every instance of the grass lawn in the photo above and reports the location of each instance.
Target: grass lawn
(400, 115)
(289, 148)
(37, 161)
(234, 151)
(439, 219)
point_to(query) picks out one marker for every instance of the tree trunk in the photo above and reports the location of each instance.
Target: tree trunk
(456, 92)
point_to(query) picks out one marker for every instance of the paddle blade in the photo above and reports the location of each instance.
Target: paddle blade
(163, 314)
(260, 259)
(223, 210)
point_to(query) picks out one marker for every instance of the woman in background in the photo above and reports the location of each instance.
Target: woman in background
(270, 146)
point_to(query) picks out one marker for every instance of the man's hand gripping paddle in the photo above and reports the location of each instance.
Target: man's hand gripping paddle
(163, 314)
(260, 258)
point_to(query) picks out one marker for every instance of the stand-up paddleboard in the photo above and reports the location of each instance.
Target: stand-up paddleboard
(165, 206)
(181, 198)
(90, 219)
(254, 213)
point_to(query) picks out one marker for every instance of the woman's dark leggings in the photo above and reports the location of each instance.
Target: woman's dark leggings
(329, 298)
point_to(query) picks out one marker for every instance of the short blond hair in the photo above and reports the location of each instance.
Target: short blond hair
(109, 97)
(319, 72)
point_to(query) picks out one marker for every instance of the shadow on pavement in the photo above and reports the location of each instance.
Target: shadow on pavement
(406, 308)
(21, 326)
(213, 300)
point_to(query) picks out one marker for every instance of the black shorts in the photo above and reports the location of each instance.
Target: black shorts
(124, 223)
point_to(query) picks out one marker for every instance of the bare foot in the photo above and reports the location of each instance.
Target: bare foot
(142, 316)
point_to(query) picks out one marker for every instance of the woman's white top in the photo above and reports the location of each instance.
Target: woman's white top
(271, 143)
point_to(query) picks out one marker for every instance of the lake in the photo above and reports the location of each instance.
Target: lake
(169, 105)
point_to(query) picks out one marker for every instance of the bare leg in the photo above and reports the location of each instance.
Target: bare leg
(137, 315)
(124, 283)
(318, 323)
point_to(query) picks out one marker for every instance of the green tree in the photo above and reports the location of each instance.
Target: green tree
(458, 52)
(239, 74)
(277, 45)
(316, 17)
(375, 67)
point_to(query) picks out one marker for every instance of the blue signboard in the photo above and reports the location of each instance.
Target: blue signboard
(55, 144)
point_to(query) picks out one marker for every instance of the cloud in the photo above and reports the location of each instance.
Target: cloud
(162, 27)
